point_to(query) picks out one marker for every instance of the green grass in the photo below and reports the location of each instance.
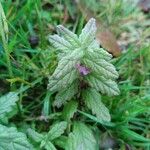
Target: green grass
(25, 69)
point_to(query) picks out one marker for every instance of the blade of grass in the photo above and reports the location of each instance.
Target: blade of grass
(4, 36)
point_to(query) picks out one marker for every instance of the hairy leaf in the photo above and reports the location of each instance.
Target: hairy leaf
(102, 67)
(81, 138)
(66, 72)
(7, 102)
(11, 139)
(37, 137)
(69, 36)
(93, 101)
(105, 86)
(88, 32)
(60, 44)
(93, 45)
(66, 94)
(57, 130)
(98, 54)
(47, 145)
(50, 146)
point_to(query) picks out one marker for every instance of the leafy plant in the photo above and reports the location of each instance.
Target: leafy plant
(84, 69)
(73, 113)
(84, 72)
(46, 140)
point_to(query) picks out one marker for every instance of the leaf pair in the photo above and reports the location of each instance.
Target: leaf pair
(46, 140)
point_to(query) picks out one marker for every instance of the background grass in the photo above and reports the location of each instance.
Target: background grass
(25, 65)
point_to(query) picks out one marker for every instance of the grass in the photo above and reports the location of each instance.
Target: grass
(25, 69)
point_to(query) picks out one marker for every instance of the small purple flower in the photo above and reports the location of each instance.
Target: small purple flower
(83, 70)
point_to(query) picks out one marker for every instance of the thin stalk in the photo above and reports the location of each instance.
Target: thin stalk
(4, 36)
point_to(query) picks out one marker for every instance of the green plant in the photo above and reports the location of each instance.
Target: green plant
(33, 117)
(46, 140)
(83, 70)
(10, 138)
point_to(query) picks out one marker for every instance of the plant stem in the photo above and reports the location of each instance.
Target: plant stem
(3, 33)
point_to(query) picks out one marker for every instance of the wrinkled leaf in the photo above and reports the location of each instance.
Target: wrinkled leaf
(7, 102)
(11, 139)
(34, 135)
(65, 73)
(64, 95)
(105, 86)
(57, 130)
(100, 66)
(50, 146)
(93, 100)
(69, 36)
(81, 138)
(88, 32)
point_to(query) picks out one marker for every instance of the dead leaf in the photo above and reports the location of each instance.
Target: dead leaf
(109, 42)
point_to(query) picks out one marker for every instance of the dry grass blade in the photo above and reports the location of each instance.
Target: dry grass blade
(3, 25)
(4, 36)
